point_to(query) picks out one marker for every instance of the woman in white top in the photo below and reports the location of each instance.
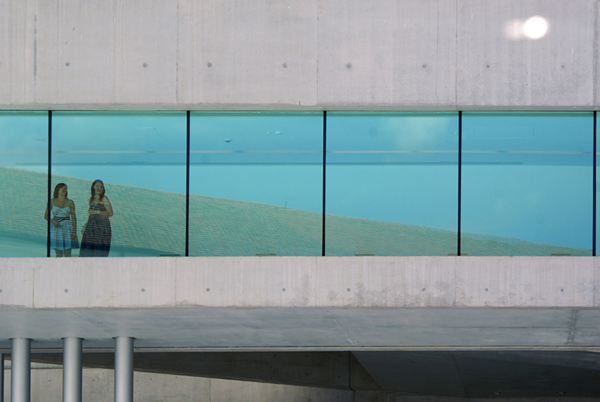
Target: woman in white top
(63, 224)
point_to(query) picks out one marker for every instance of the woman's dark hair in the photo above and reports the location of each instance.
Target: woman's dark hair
(58, 187)
(101, 196)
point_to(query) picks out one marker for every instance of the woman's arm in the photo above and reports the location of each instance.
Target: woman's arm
(73, 220)
(109, 210)
(51, 220)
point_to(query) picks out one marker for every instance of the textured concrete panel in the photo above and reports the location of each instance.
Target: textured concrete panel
(15, 283)
(430, 281)
(498, 65)
(301, 329)
(17, 53)
(403, 53)
(301, 282)
(75, 282)
(106, 52)
(438, 327)
(260, 281)
(502, 282)
(233, 391)
(585, 329)
(596, 283)
(597, 59)
(413, 371)
(98, 386)
(360, 281)
(307, 369)
(247, 52)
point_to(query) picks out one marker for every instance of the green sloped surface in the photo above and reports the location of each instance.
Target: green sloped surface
(152, 222)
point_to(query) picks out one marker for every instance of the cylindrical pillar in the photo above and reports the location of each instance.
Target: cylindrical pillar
(72, 370)
(123, 369)
(1, 377)
(20, 370)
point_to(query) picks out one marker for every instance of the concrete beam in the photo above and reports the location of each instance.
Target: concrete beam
(335, 370)
(270, 303)
(301, 282)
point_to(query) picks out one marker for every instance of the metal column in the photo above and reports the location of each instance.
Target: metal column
(2, 377)
(123, 369)
(72, 370)
(21, 370)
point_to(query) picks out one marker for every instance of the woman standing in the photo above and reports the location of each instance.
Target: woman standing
(97, 234)
(63, 228)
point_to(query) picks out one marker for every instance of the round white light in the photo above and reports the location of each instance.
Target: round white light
(535, 27)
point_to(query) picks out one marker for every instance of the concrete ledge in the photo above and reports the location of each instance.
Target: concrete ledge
(302, 303)
(300, 282)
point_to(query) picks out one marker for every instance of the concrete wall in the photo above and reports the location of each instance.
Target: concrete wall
(296, 54)
(98, 386)
(264, 282)
(302, 303)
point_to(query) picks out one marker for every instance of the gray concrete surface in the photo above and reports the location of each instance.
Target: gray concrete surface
(484, 317)
(496, 68)
(314, 54)
(401, 375)
(334, 370)
(307, 329)
(98, 385)
(260, 282)
(467, 374)
(302, 302)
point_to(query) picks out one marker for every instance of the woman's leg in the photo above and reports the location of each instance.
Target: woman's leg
(59, 253)
(68, 252)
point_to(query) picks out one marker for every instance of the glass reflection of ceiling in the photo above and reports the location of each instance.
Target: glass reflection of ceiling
(257, 157)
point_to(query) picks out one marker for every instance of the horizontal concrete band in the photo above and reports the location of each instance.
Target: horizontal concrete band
(302, 303)
(261, 282)
(314, 53)
(383, 330)
(244, 107)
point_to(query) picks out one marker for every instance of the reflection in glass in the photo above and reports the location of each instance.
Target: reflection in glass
(24, 178)
(597, 167)
(140, 158)
(392, 183)
(97, 232)
(63, 222)
(256, 183)
(526, 183)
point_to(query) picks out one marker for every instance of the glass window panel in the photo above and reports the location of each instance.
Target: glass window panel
(24, 178)
(526, 183)
(392, 183)
(597, 167)
(141, 159)
(256, 183)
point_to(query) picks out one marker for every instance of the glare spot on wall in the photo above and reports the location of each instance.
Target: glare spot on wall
(535, 27)
(532, 28)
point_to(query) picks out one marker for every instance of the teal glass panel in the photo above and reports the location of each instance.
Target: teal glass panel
(597, 167)
(526, 183)
(24, 178)
(392, 183)
(256, 183)
(141, 159)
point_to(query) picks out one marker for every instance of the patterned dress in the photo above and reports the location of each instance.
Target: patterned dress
(60, 237)
(97, 234)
